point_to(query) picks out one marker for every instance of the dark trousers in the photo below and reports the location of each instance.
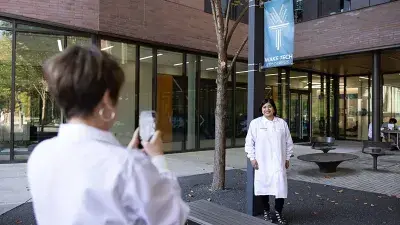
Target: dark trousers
(279, 202)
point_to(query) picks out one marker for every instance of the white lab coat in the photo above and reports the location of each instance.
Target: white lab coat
(84, 176)
(270, 143)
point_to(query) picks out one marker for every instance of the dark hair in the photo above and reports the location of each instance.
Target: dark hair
(79, 76)
(270, 101)
(392, 120)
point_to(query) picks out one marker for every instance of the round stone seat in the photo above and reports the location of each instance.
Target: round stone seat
(327, 162)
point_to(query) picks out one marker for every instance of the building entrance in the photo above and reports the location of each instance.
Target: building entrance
(299, 121)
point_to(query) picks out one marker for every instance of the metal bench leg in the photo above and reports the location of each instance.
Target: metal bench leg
(375, 162)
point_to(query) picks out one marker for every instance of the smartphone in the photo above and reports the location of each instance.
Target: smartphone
(147, 126)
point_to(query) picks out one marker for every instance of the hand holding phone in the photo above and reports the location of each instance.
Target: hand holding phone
(147, 125)
(155, 146)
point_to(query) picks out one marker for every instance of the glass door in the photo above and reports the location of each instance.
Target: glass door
(299, 123)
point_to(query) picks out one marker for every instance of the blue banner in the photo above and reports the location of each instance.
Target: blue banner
(278, 33)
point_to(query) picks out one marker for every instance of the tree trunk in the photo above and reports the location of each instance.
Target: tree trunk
(43, 112)
(220, 123)
(220, 137)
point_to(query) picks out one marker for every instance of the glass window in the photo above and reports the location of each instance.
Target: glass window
(36, 115)
(310, 10)
(72, 40)
(241, 103)
(299, 106)
(331, 106)
(298, 80)
(318, 105)
(377, 2)
(146, 78)
(391, 97)
(298, 11)
(171, 99)
(358, 4)
(357, 108)
(29, 28)
(5, 24)
(329, 7)
(207, 98)
(191, 66)
(342, 112)
(271, 84)
(125, 54)
(5, 93)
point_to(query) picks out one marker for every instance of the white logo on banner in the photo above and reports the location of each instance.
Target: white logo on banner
(279, 22)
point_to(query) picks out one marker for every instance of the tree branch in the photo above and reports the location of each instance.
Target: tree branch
(237, 55)
(219, 22)
(228, 11)
(213, 14)
(230, 34)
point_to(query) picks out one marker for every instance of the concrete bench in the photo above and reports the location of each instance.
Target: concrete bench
(324, 144)
(327, 162)
(376, 149)
(203, 212)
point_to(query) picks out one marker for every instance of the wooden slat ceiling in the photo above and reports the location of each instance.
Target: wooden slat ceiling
(357, 64)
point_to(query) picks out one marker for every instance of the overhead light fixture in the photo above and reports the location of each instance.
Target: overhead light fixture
(150, 56)
(211, 68)
(106, 48)
(366, 78)
(180, 64)
(274, 74)
(298, 77)
(59, 45)
(245, 71)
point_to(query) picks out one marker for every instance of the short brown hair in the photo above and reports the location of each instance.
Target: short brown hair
(79, 76)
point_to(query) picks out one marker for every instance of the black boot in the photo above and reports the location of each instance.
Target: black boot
(267, 216)
(279, 219)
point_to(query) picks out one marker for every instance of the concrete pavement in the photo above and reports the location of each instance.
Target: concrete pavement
(356, 174)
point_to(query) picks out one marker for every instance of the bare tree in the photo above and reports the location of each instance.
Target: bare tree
(224, 33)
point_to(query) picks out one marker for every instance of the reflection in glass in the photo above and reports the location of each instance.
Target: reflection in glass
(125, 54)
(171, 99)
(241, 103)
(5, 94)
(191, 101)
(207, 98)
(146, 77)
(36, 116)
(5, 24)
(72, 40)
(298, 11)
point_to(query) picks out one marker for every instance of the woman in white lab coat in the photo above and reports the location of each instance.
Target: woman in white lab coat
(269, 146)
(84, 175)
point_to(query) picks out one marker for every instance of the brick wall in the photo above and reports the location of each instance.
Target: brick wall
(78, 13)
(368, 28)
(164, 22)
(196, 4)
(183, 23)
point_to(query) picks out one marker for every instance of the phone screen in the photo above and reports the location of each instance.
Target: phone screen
(147, 125)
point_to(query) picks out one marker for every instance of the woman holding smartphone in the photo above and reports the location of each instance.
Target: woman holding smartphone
(84, 175)
(269, 146)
